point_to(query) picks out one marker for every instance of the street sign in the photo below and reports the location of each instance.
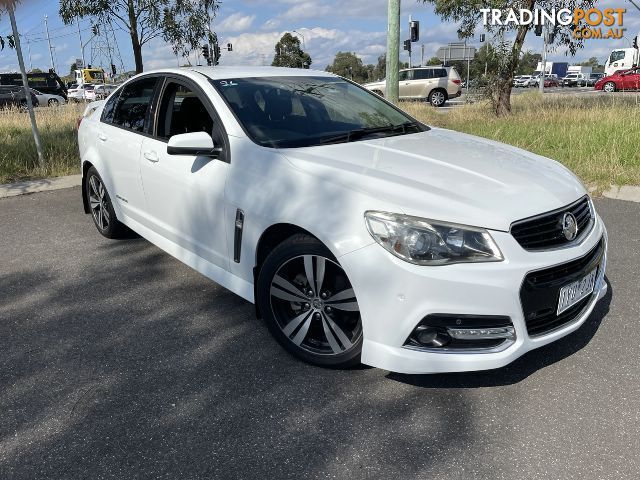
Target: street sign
(456, 52)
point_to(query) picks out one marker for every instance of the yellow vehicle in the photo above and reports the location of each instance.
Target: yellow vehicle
(89, 75)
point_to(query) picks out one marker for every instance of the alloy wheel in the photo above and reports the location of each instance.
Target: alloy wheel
(315, 306)
(609, 87)
(437, 98)
(99, 202)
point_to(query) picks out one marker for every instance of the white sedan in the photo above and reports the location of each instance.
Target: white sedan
(48, 99)
(361, 234)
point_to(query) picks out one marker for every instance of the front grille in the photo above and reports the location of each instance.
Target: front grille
(545, 231)
(540, 292)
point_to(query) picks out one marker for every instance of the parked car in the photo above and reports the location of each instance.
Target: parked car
(433, 84)
(80, 93)
(573, 79)
(100, 92)
(524, 81)
(592, 79)
(624, 80)
(13, 96)
(361, 234)
(551, 82)
(515, 79)
(47, 98)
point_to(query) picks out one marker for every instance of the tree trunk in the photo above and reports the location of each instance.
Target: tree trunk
(502, 102)
(135, 40)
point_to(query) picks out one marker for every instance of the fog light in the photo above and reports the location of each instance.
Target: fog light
(508, 333)
(432, 337)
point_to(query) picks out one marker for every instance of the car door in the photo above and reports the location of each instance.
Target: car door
(631, 80)
(421, 83)
(404, 79)
(124, 123)
(185, 193)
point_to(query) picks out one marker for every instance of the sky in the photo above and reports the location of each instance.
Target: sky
(254, 26)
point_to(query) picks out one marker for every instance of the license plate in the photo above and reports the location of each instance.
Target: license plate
(576, 291)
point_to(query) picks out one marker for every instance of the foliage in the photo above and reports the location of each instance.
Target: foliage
(349, 65)
(290, 54)
(434, 61)
(468, 16)
(593, 62)
(528, 63)
(181, 23)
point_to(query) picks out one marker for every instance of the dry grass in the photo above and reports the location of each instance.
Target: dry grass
(596, 137)
(18, 158)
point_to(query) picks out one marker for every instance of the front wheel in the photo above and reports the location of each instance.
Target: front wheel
(53, 102)
(437, 98)
(309, 305)
(609, 87)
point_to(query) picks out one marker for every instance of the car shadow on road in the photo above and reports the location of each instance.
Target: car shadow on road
(524, 366)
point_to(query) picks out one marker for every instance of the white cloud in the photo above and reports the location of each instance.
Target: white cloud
(235, 23)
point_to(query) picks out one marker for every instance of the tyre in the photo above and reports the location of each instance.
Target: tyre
(53, 102)
(437, 98)
(609, 87)
(309, 305)
(104, 217)
(23, 107)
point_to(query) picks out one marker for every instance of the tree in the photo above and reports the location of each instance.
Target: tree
(468, 16)
(380, 69)
(290, 54)
(434, 61)
(350, 66)
(528, 63)
(593, 62)
(36, 70)
(181, 23)
(73, 68)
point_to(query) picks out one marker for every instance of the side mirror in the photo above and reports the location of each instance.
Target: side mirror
(195, 143)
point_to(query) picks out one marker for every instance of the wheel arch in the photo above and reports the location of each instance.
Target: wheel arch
(86, 165)
(438, 89)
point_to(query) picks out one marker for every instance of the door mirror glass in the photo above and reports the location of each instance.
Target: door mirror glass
(195, 143)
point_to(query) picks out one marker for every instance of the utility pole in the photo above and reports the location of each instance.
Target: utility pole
(81, 46)
(25, 84)
(46, 26)
(422, 56)
(29, 49)
(393, 50)
(544, 60)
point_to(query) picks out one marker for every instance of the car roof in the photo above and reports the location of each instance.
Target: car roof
(219, 73)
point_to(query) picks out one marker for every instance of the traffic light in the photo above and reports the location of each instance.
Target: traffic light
(216, 54)
(636, 41)
(113, 69)
(407, 45)
(414, 29)
(538, 30)
(229, 47)
(205, 53)
(482, 38)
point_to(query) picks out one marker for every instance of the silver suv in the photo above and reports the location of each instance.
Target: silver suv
(434, 84)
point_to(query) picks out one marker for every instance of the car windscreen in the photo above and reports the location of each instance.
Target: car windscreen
(288, 112)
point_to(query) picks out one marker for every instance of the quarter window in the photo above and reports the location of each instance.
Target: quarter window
(132, 106)
(107, 111)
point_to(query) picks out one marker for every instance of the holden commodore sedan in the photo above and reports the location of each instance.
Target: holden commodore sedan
(361, 234)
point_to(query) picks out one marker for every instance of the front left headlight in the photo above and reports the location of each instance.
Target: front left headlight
(426, 242)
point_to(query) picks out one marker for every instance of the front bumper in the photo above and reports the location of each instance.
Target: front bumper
(394, 296)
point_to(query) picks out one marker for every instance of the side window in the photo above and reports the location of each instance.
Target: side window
(617, 56)
(107, 111)
(133, 104)
(440, 73)
(404, 75)
(422, 74)
(181, 111)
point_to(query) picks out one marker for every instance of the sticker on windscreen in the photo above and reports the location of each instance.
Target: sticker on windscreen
(228, 83)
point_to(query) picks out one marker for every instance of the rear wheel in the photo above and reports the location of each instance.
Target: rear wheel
(609, 87)
(53, 102)
(309, 304)
(437, 98)
(104, 217)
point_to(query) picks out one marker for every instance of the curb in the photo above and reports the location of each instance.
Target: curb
(628, 193)
(35, 186)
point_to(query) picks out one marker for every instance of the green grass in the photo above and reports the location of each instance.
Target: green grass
(18, 158)
(597, 137)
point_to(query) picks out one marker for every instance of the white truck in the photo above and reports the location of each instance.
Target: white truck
(623, 58)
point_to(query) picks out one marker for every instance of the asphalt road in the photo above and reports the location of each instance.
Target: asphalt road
(119, 362)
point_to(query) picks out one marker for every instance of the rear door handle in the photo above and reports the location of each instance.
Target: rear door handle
(102, 137)
(151, 156)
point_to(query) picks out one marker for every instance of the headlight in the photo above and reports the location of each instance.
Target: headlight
(425, 242)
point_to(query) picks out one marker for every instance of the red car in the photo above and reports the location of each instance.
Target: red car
(551, 82)
(621, 80)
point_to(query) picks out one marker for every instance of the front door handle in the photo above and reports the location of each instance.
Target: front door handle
(102, 137)
(151, 156)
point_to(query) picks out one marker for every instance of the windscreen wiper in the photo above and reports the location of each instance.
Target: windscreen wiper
(361, 133)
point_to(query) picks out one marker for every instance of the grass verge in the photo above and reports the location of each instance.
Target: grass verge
(18, 158)
(596, 137)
